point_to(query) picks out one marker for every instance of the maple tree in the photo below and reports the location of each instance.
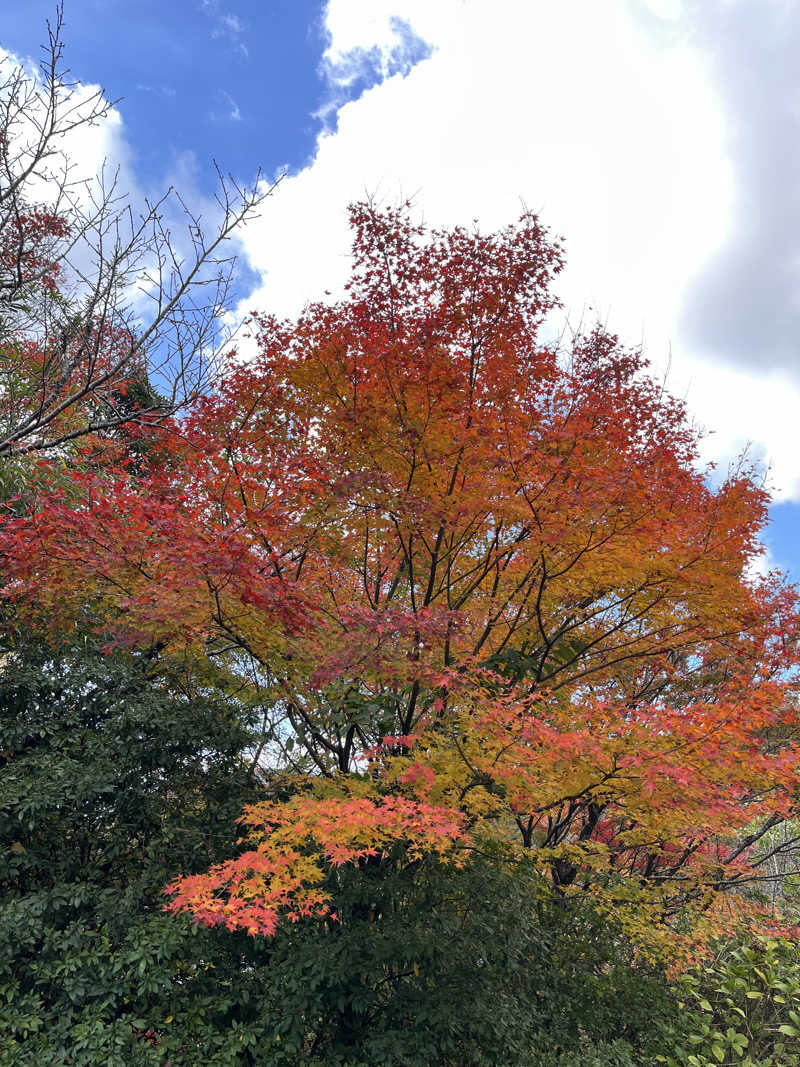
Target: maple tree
(490, 599)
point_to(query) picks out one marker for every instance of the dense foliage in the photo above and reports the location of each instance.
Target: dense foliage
(113, 781)
(110, 784)
(742, 1006)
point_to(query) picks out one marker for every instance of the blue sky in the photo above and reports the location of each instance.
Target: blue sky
(242, 85)
(660, 137)
(243, 82)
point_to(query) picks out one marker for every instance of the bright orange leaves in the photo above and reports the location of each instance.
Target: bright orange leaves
(419, 520)
(293, 840)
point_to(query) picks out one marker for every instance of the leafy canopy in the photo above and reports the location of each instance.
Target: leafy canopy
(482, 584)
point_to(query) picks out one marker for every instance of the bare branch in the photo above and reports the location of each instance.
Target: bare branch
(94, 295)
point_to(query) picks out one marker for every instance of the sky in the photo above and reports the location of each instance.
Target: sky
(660, 137)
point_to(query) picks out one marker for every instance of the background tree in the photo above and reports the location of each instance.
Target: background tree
(100, 299)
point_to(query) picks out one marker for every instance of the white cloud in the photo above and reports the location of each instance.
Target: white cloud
(232, 23)
(231, 111)
(665, 9)
(91, 148)
(226, 25)
(158, 90)
(567, 107)
(585, 112)
(742, 410)
(760, 565)
(389, 46)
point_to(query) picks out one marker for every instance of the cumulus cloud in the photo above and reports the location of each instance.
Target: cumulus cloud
(92, 147)
(513, 106)
(606, 119)
(349, 67)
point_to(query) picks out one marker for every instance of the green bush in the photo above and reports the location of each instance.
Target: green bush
(741, 1008)
(112, 783)
(431, 965)
(589, 1054)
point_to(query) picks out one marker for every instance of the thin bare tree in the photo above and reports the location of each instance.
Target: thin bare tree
(108, 313)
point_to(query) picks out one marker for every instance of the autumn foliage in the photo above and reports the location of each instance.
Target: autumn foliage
(491, 598)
